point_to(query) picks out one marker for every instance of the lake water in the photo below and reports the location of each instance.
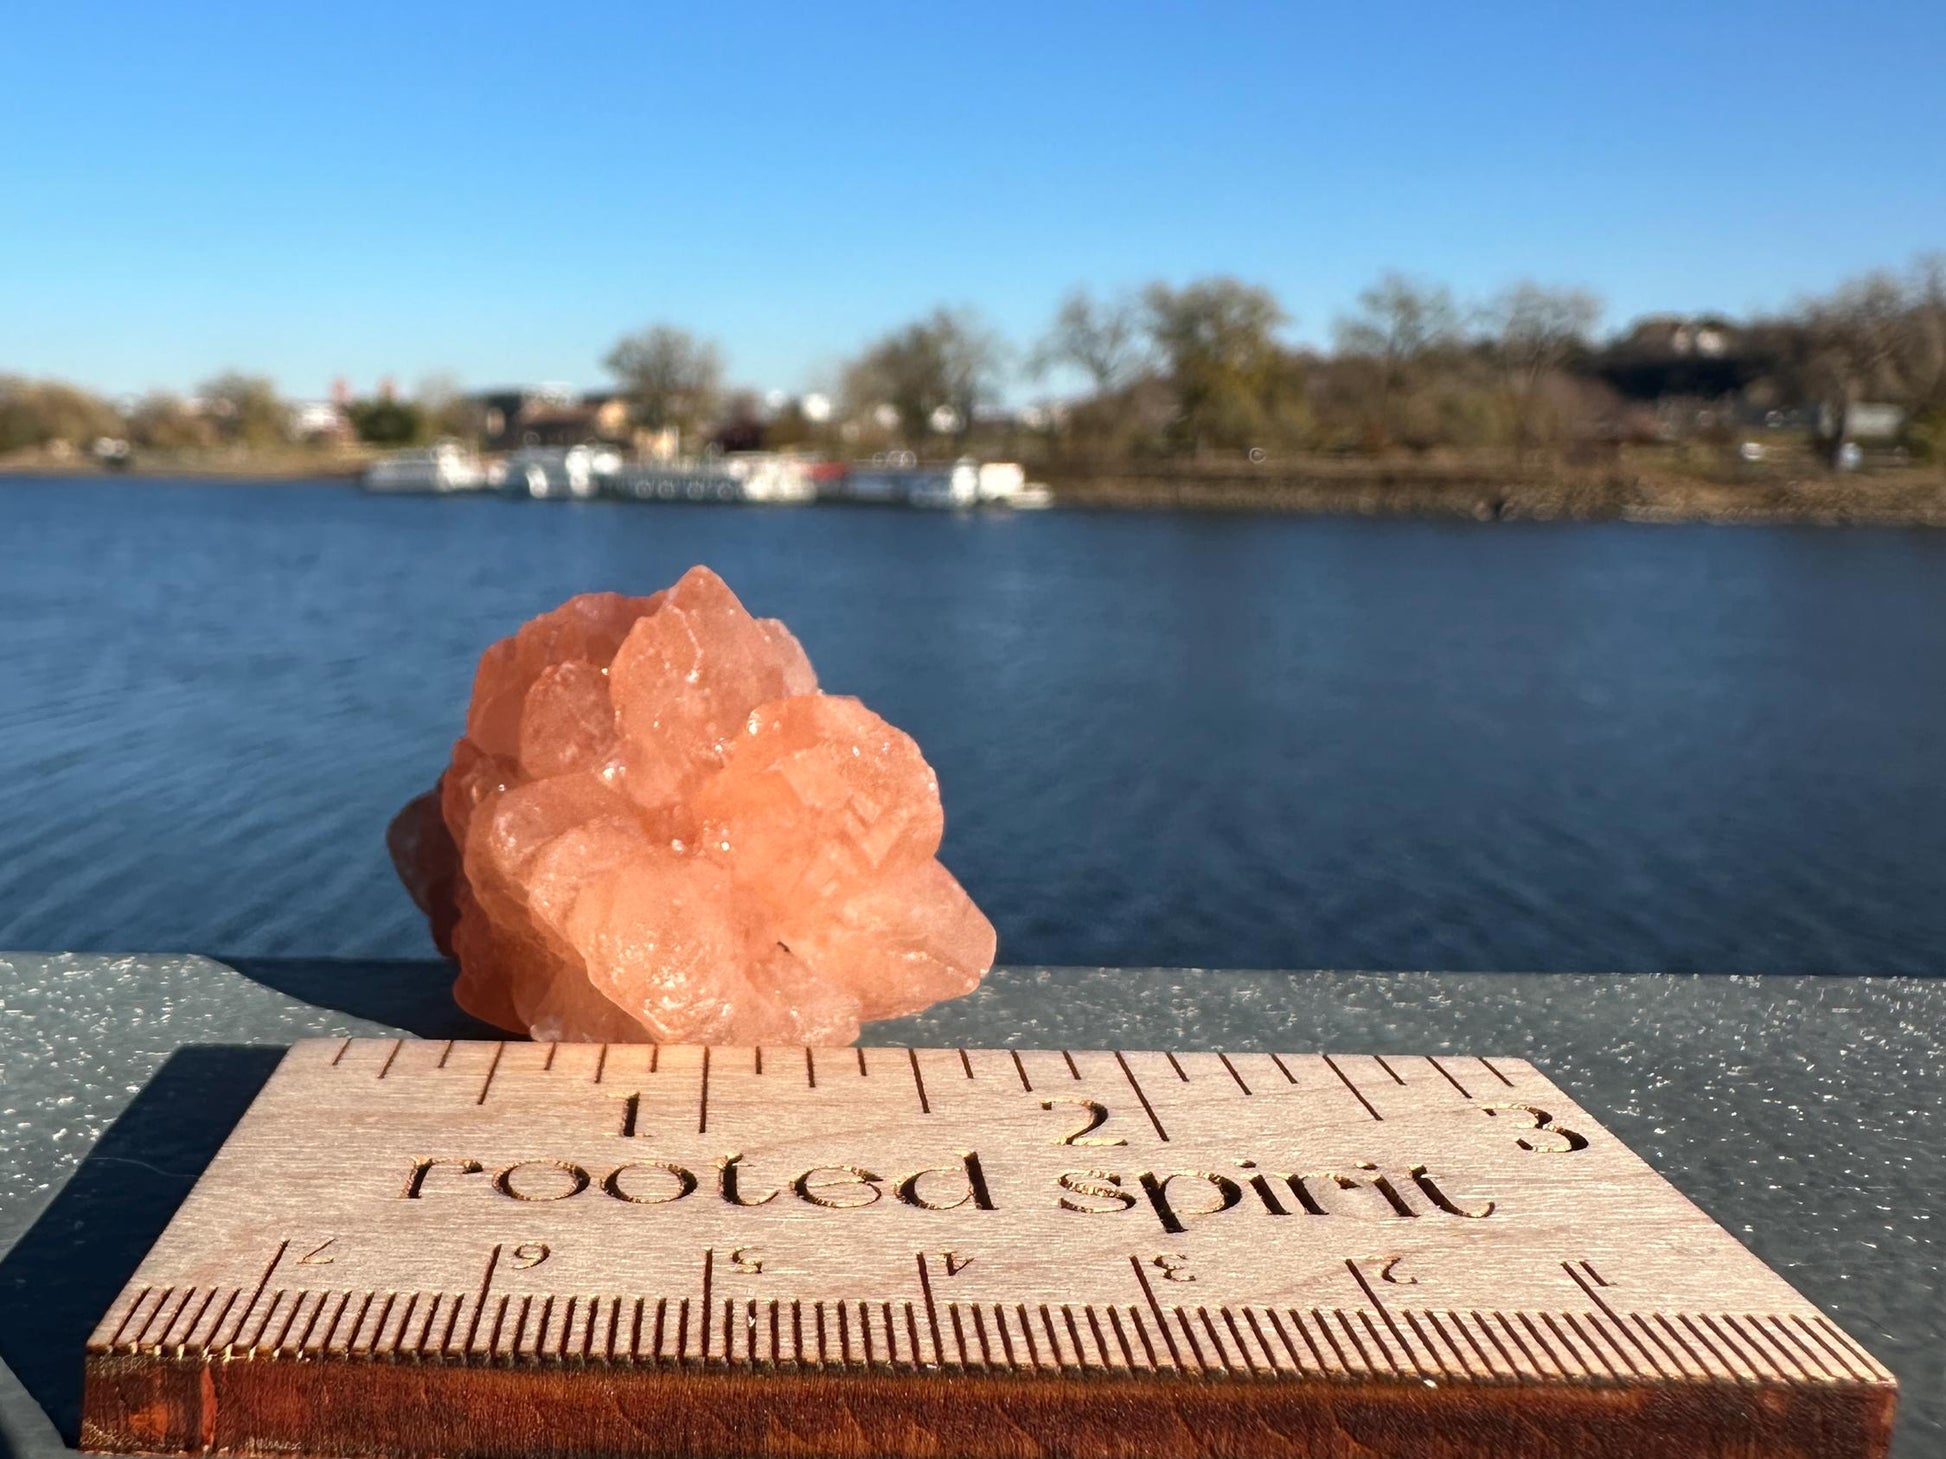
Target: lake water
(1202, 740)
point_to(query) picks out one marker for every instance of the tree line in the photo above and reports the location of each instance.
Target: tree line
(1203, 368)
(1200, 369)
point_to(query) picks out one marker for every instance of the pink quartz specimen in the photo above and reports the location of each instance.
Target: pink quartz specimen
(657, 828)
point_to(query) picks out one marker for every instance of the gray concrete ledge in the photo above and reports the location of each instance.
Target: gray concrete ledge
(1805, 1114)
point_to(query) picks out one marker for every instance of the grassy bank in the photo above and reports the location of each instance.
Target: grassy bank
(1647, 491)
(294, 463)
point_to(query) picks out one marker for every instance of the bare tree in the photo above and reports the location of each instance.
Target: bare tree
(1534, 330)
(933, 374)
(1400, 320)
(1850, 345)
(1926, 332)
(1100, 338)
(1401, 326)
(1859, 326)
(672, 377)
(445, 409)
(1880, 336)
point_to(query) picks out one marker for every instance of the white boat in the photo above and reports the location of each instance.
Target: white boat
(675, 481)
(875, 484)
(574, 472)
(965, 483)
(952, 486)
(750, 476)
(770, 476)
(445, 466)
(1000, 483)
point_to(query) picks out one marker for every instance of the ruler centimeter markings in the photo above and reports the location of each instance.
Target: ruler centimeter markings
(1160, 1221)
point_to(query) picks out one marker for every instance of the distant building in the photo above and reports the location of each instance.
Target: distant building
(1667, 355)
(500, 413)
(550, 416)
(1671, 336)
(549, 425)
(319, 421)
(1867, 423)
(612, 413)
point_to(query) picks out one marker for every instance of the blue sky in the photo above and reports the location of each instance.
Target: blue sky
(496, 191)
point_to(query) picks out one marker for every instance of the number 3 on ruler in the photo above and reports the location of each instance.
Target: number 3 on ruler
(1541, 1120)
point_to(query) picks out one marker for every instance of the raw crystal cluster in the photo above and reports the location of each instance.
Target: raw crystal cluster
(657, 828)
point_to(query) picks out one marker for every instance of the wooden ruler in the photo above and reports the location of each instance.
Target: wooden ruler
(485, 1249)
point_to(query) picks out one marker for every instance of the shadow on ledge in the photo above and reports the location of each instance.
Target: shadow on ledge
(65, 1272)
(415, 996)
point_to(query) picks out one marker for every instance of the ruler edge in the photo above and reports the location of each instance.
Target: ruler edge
(684, 1402)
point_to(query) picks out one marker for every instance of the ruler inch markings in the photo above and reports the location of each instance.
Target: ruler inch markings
(709, 1269)
(493, 1067)
(479, 1302)
(1447, 1075)
(1356, 1093)
(1378, 1306)
(919, 1081)
(702, 1095)
(1147, 1108)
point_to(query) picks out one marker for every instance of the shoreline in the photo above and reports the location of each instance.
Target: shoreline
(1905, 497)
(1895, 497)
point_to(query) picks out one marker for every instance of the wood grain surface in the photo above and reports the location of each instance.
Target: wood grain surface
(424, 1248)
